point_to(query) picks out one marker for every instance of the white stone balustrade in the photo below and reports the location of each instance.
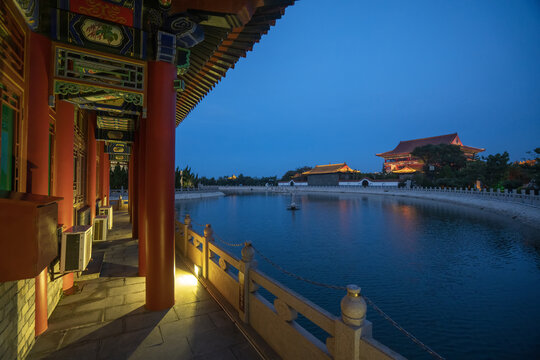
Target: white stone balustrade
(237, 281)
(505, 195)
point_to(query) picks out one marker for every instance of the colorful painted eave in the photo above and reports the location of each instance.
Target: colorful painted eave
(221, 49)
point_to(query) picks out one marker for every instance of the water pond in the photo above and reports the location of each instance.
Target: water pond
(465, 282)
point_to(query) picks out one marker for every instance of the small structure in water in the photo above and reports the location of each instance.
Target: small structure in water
(293, 206)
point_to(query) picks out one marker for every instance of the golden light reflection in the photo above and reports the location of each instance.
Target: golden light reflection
(186, 280)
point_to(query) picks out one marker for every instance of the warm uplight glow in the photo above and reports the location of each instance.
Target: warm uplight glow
(186, 280)
(196, 269)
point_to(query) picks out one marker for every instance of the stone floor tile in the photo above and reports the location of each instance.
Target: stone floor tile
(220, 319)
(80, 296)
(94, 332)
(196, 308)
(86, 351)
(99, 303)
(135, 280)
(183, 297)
(124, 345)
(114, 283)
(135, 297)
(87, 287)
(213, 340)
(62, 311)
(48, 341)
(201, 293)
(116, 312)
(154, 318)
(176, 350)
(222, 354)
(184, 327)
(127, 289)
(69, 322)
(115, 300)
(244, 351)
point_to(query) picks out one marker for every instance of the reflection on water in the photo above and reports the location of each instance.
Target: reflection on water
(464, 281)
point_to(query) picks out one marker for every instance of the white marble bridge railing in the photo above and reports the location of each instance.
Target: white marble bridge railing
(237, 282)
(522, 197)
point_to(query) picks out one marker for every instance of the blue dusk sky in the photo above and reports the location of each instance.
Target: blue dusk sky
(339, 81)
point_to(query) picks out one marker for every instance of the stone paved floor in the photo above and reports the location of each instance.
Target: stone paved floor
(106, 318)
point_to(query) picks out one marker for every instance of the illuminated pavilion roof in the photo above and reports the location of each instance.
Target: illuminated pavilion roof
(330, 169)
(408, 146)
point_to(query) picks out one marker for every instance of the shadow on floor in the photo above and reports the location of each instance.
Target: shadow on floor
(116, 343)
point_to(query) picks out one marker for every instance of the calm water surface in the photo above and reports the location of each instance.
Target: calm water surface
(464, 282)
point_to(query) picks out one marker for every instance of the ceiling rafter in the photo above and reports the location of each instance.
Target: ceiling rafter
(219, 52)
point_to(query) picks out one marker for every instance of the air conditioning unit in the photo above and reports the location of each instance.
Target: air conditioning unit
(107, 210)
(101, 224)
(76, 248)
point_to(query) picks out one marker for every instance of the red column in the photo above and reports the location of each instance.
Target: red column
(91, 165)
(160, 186)
(103, 175)
(99, 151)
(134, 195)
(130, 186)
(64, 171)
(38, 148)
(141, 197)
(106, 173)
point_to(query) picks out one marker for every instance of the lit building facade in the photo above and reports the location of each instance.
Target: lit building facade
(401, 161)
(328, 175)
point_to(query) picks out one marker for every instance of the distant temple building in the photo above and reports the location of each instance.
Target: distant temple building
(401, 161)
(324, 175)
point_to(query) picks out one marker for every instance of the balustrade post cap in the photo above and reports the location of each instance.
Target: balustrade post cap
(247, 252)
(187, 218)
(208, 230)
(353, 307)
(353, 290)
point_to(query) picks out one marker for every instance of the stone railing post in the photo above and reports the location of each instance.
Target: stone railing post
(350, 328)
(208, 232)
(246, 263)
(187, 228)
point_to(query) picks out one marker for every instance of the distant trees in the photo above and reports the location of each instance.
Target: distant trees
(442, 157)
(494, 171)
(240, 180)
(290, 174)
(185, 178)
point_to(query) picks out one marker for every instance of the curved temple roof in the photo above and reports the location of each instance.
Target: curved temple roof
(330, 169)
(406, 147)
(223, 45)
